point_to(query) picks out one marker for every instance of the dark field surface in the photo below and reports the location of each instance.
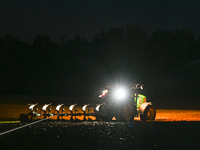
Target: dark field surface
(102, 135)
(172, 129)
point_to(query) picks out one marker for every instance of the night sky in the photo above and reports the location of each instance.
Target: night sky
(167, 60)
(26, 19)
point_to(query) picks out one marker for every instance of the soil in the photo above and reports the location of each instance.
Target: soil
(102, 135)
(172, 129)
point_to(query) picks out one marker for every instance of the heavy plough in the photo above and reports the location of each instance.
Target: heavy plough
(60, 114)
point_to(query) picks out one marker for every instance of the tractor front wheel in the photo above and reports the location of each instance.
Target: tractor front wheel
(149, 114)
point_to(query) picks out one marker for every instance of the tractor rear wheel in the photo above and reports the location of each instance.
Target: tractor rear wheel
(126, 114)
(149, 114)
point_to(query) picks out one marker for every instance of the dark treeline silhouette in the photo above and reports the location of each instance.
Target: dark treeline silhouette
(81, 68)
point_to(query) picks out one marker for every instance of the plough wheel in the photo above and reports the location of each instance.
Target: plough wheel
(25, 118)
(21, 118)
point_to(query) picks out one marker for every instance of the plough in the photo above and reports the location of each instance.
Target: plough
(122, 102)
(47, 112)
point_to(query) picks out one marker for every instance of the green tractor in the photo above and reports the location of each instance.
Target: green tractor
(124, 103)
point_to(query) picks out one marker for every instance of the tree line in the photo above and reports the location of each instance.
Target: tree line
(78, 66)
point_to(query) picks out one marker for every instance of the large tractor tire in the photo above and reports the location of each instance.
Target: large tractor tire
(149, 114)
(126, 113)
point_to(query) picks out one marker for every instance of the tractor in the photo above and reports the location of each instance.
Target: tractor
(124, 103)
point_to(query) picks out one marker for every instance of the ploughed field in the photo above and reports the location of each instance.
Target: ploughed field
(12, 113)
(172, 129)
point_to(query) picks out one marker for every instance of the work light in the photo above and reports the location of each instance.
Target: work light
(120, 93)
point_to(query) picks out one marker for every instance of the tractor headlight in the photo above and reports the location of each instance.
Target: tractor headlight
(120, 94)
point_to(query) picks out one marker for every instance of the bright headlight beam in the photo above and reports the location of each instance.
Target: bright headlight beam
(120, 93)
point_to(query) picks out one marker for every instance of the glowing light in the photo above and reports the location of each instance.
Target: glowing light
(120, 93)
(104, 93)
